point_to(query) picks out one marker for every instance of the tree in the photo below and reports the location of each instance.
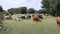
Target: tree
(43, 11)
(17, 11)
(45, 5)
(11, 11)
(50, 6)
(31, 10)
(5, 12)
(1, 9)
(23, 10)
(1, 15)
(58, 8)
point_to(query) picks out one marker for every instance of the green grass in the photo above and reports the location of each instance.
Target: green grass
(47, 26)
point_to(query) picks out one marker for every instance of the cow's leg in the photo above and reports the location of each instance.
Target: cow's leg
(39, 20)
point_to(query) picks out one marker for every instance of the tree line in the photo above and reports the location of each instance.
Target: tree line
(20, 10)
(51, 7)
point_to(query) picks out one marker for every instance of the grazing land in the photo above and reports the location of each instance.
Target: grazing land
(46, 26)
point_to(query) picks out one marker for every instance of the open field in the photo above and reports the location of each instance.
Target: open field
(47, 26)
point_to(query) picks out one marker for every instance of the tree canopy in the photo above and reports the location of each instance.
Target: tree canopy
(50, 6)
(31, 10)
(23, 10)
(1, 9)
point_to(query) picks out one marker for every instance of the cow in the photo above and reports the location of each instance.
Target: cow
(18, 19)
(33, 15)
(7, 17)
(40, 16)
(36, 18)
(28, 17)
(23, 17)
(2, 27)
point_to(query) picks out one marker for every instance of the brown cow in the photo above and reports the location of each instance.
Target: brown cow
(35, 18)
(58, 20)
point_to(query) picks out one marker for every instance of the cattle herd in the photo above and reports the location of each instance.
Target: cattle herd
(35, 17)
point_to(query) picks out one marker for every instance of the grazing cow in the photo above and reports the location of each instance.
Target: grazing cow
(23, 17)
(33, 15)
(1, 27)
(36, 18)
(58, 20)
(18, 19)
(40, 16)
(46, 14)
(7, 17)
(28, 17)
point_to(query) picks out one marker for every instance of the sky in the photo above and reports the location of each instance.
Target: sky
(6, 4)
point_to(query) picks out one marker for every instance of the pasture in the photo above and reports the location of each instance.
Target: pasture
(46, 26)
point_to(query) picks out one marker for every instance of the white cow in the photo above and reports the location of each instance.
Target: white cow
(18, 18)
(7, 17)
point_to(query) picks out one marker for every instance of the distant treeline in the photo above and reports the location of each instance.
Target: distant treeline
(20, 10)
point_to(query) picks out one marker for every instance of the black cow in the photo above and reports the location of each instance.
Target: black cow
(23, 17)
(40, 16)
(28, 17)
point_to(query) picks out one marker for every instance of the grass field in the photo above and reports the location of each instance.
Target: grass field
(47, 26)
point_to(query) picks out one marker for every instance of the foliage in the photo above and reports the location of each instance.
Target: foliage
(1, 9)
(11, 10)
(23, 10)
(1, 15)
(31, 10)
(5, 12)
(51, 6)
